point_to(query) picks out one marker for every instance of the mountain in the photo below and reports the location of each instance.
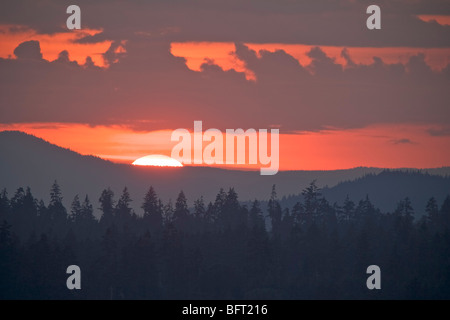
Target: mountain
(386, 189)
(26, 160)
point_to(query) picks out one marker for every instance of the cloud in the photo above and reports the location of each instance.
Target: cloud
(322, 64)
(402, 141)
(348, 60)
(320, 22)
(148, 83)
(440, 132)
(28, 50)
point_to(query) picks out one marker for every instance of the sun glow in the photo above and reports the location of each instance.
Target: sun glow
(158, 160)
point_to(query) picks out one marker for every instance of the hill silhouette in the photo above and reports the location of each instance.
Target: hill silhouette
(26, 160)
(227, 249)
(386, 189)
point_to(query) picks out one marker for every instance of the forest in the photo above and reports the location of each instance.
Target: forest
(223, 249)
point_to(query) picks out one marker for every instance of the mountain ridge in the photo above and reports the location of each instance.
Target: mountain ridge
(27, 160)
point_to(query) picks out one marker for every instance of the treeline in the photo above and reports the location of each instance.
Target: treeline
(221, 249)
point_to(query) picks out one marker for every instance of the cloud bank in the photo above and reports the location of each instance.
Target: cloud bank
(147, 88)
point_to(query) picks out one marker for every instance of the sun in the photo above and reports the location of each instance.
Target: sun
(157, 160)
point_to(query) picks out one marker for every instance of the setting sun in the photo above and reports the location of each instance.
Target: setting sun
(158, 160)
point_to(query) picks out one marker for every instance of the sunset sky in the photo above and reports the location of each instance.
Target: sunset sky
(341, 95)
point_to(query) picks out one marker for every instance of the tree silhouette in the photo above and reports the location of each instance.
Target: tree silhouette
(256, 217)
(181, 207)
(82, 216)
(107, 206)
(230, 215)
(168, 213)
(218, 206)
(153, 211)
(313, 250)
(199, 208)
(123, 211)
(4, 204)
(404, 216)
(87, 211)
(348, 212)
(181, 214)
(150, 205)
(75, 211)
(444, 212)
(56, 211)
(432, 211)
(311, 195)
(274, 210)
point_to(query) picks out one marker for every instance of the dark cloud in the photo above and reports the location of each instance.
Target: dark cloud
(63, 57)
(28, 50)
(148, 88)
(322, 64)
(112, 55)
(403, 141)
(89, 64)
(439, 132)
(348, 60)
(320, 22)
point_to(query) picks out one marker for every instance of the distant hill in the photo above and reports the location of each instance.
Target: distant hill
(386, 189)
(26, 160)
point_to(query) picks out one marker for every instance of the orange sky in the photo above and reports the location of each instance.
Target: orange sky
(196, 53)
(373, 146)
(441, 19)
(381, 145)
(52, 45)
(220, 52)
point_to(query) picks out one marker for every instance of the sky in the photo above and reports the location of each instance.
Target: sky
(340, 94)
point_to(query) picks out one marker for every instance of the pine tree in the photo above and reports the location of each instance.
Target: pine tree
(123, 209)
(181, 208)
(42, 210)
(181, 216)
(311, 196)
(56, 209)
(107, 206)
(230, 214)
(365, 209)
(87, 211)
(210, 215)
(55, 194)
(168, 213)
(5, 206)
(75, 211)
(404, 216)
(408, 210)
(25, 211)
(17, 200)
(297, 214)
(444, 212)
(10, 269)
(30, 205)
(275, 213)
(432, 210)
(256, 218)
(218, 205)
(348, 210)
(5, 234)
(150, 205)
(153, 211)
(199, 208)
